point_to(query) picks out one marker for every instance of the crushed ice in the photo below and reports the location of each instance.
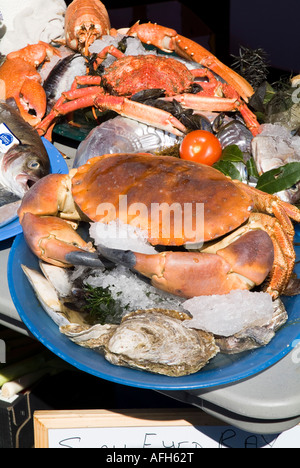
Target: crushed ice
(125, 286)
(228, 314)
(286, 143)
(118, 235)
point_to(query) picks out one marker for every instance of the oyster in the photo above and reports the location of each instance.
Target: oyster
(156, 341)
(95, 337)
(152, 340)
(254, 337)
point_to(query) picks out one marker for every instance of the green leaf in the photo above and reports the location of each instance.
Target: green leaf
(232, 153)
(228, 168)
(281, 178)
(270, 93)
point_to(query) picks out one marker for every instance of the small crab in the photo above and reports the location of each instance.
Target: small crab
(247, 234)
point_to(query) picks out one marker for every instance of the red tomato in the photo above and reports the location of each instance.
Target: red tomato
(201, 146)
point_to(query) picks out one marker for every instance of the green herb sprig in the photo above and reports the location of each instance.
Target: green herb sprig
(101, 305)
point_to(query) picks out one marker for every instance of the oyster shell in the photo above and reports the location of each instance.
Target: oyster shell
(92, 337)
(152, 340)
(254, 337)
(156, 341)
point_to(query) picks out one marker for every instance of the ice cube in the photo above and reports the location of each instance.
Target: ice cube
(118, 235)
(228, 314)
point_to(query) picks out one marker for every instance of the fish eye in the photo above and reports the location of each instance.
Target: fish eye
(33, 164)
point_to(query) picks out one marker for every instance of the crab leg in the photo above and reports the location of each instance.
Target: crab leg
(141, 112)
(202, 103)
(280, 229)
(168, 40)
(189, 274)
(219, 97)
(78, 98)
(273, 205)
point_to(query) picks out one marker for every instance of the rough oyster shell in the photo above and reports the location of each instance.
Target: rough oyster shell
(152, 340)
(93, 337)
(156, 341)
(254, 337)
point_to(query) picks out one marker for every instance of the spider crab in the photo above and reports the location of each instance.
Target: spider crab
(247, 234)
(129, 75)
(87, 20)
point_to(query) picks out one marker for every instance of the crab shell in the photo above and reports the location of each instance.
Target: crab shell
(128, 186)
(123, 180)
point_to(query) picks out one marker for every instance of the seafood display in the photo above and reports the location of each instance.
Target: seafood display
(23, 161)
(138, 338)
(87, 20)
(227, 205)
(168, 300)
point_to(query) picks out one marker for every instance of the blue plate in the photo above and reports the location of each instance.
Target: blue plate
(222, 370)
(57, 165)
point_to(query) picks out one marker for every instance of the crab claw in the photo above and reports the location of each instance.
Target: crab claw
(53, 240)
(32, 102)
(35, 54)
(240, 265)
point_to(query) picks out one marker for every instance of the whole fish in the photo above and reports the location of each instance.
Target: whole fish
(23, 161)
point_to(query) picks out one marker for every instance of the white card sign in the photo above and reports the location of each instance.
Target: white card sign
(148, 429)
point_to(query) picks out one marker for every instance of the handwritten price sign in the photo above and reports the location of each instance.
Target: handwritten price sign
(182, 431)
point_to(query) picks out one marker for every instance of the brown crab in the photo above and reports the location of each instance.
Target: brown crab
(254, 230)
